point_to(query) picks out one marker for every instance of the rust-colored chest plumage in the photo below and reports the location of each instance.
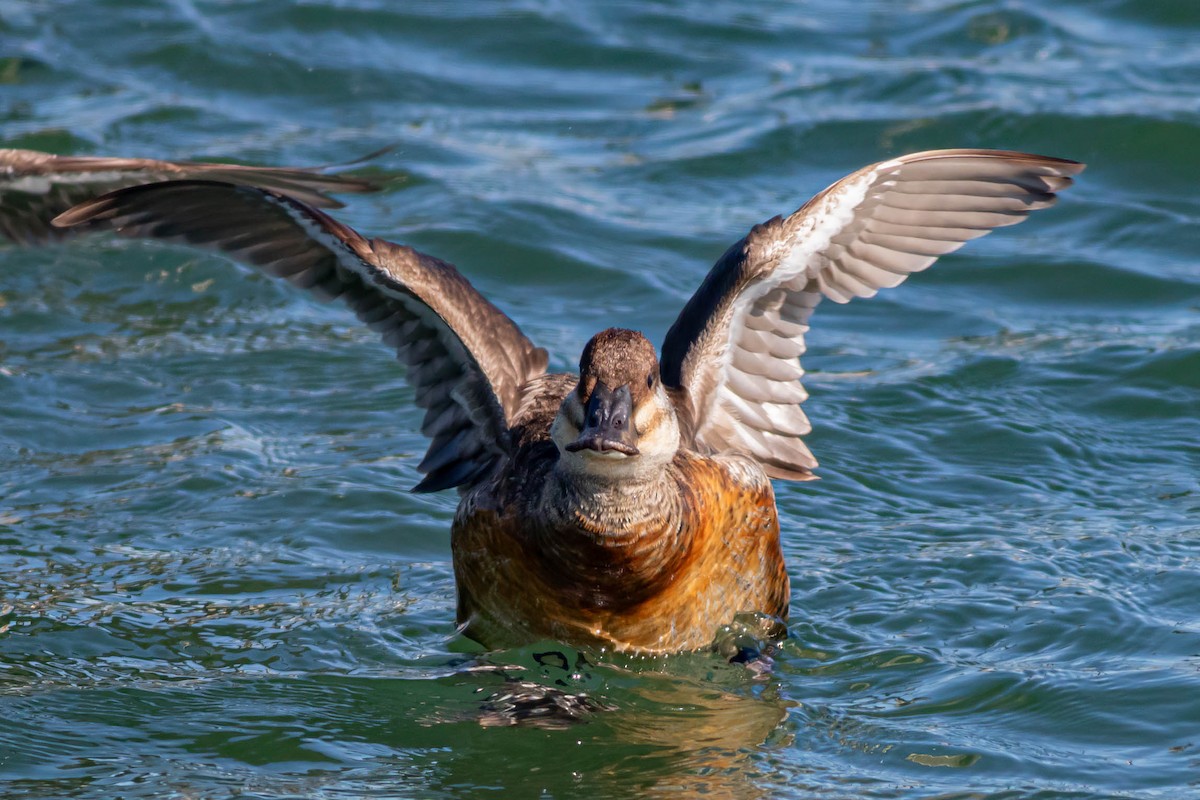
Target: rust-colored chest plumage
(657, 567)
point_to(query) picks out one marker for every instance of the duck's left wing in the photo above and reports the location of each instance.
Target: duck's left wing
(467, 361)
(36, 186)
(733, 354)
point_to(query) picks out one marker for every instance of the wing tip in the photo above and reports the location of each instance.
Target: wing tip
(789, 473)
(78, 214)
(1062, 166)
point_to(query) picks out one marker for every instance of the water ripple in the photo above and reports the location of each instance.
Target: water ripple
(212, 581)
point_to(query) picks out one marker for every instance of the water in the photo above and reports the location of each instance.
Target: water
(212, 581)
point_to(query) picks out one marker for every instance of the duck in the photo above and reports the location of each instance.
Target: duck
(35, 186)
(629, 506)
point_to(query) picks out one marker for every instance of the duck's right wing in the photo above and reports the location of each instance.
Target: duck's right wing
(468, 362)
(35, 187)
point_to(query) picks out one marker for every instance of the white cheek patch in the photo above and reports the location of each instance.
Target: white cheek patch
(645, 418)
(658, 430)
(562, 432)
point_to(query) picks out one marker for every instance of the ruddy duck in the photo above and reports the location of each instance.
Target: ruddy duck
(629, 506)
(35, 187)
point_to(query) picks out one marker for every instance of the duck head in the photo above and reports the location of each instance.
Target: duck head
(619, 421)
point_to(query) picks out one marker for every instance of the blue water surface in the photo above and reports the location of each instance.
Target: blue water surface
(214, 583)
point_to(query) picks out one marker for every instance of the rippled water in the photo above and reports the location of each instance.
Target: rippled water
(212, 579)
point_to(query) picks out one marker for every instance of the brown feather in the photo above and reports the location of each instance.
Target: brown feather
(36, 187)
(469, 361)
(868, 231)
(653, 547)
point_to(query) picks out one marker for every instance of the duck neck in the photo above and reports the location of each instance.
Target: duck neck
(617, 536)
(615, 505)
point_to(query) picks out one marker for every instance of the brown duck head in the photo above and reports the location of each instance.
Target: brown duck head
(619, 421)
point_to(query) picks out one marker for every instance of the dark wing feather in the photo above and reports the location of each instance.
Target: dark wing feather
(36, 187)
(468, 362)
(733, 355)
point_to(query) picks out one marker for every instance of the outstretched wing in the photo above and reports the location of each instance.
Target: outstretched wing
(36, 187)
(467, 361)
(734, 352)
